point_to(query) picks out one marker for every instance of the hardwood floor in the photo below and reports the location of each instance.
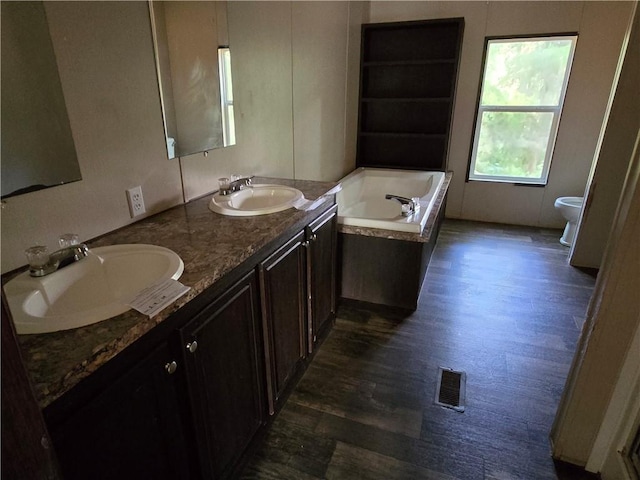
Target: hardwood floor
(500, 303)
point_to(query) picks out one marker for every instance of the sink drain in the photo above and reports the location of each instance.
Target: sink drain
(450, 392)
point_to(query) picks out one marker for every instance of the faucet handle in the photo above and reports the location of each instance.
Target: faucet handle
(37, 256)
(40, 261)
(224, 185)
(68, 240)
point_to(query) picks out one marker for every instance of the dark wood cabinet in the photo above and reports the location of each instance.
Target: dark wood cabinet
(136, 428)
(189, 399)
(298, 294)
(225, 375)
(284, 304)
(408, 73)
(321, 274)
(27, 452)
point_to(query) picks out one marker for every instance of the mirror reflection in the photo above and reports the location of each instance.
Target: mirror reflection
(193, 62)
(37, 147)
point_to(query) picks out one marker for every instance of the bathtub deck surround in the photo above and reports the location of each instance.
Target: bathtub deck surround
(385, 266)
(210, 245)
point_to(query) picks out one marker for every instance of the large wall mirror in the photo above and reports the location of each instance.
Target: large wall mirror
(37, 146)
(194, 74)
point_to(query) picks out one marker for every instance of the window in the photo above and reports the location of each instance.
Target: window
(523, 87)
(226, 97)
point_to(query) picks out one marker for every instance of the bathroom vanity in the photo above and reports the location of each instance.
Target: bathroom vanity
(187, 393)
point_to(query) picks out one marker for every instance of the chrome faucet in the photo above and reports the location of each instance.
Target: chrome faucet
(409, 205)
(236, 185)
(60, 259)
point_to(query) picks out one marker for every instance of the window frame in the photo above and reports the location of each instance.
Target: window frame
(226, 96)
(555, 110)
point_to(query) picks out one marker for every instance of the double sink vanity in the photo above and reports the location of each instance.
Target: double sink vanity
(186, 393)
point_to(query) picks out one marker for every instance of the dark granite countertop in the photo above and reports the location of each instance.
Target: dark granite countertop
(210, 245)
(406, 236)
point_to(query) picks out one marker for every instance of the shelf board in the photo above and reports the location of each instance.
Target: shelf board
(402, 134)
(391, 63)
(407, 99)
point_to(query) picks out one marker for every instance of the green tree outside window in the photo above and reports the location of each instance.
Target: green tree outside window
(523, 89)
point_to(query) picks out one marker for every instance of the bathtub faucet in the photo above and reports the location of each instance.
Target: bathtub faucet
(409, 205)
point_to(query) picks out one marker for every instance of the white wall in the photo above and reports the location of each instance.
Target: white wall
(621, 423)
(601, 27)
(319, 40)
(617, 140)
(358, 14)
(613, 319)
(105, 60)
(261, 64)
(105, 57)
(289, 64)
(596, 413)
(295, 107)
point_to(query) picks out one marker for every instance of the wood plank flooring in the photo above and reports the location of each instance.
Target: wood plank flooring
(500, 303)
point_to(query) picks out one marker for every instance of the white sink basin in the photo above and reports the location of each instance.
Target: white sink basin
(256, 200)
(88, 291)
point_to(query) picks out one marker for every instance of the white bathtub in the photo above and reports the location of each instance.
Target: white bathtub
(361, 201)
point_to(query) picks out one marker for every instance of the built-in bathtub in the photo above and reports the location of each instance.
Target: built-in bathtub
(384, 255)
(362, 203)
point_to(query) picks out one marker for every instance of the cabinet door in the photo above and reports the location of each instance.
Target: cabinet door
(284, 305)
(222, 348)
(322, 236)
(132, 430)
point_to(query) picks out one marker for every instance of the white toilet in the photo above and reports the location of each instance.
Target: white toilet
(569, 207)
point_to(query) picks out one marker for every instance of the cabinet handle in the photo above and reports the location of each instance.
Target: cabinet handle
(313, 237)
(192, 346)
(171, 367)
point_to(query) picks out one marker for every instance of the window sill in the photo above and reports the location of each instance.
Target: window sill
(513, 182)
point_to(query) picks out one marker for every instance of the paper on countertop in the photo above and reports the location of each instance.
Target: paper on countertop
(334, 190)
(306, 205)
(157, 296)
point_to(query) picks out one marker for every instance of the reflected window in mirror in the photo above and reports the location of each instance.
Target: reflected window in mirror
(197, 104)
(226, 96)
(38, 150)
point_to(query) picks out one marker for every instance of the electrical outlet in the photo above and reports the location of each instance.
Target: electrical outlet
(136, 202)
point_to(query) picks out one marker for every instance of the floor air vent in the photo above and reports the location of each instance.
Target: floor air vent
(451, 389)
